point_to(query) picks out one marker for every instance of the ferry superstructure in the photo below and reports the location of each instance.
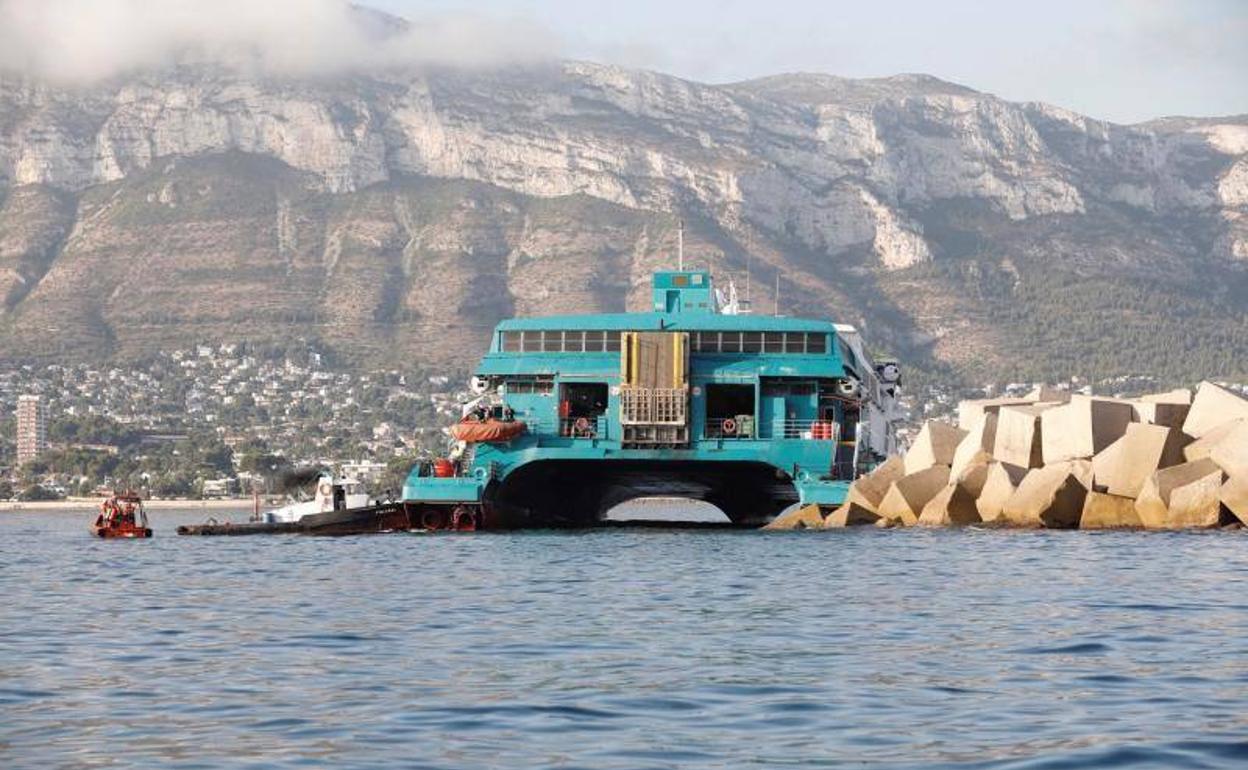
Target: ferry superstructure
(691, 399)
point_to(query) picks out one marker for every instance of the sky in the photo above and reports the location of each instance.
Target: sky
(1121, 60)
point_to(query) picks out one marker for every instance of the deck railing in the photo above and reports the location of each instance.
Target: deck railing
(583, 427)
(734, 428)
(568, 427)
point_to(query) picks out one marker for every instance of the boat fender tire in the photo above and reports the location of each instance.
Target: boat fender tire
(433, 519)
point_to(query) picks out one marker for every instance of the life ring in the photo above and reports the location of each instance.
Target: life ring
(730, 427)
(325, 489)
(581, 426)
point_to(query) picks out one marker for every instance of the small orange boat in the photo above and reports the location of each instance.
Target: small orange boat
(490, 430)
(122, 516)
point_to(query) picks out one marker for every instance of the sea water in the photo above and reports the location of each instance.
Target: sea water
(622, 648)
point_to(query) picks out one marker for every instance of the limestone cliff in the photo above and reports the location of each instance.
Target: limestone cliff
(406, 212)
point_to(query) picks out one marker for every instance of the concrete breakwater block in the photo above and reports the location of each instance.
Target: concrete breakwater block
(999, 484)
(1168, 415)
(935, 445)
(1231, 452)
(1122, 468)
(1051, 497)
(1177, 396)
(970, 413)
(806, 517)
(1204, 446)
(1213, 406)
(1082, 428)
(1103, 511)
(1056, 460)
(974, 476)
(868, 491)
(906, 497)
(1187, 495)
(1169, 409)
(953, 506)
(1018, 438)
(1234, 496)
(851, 515)
(975, 447)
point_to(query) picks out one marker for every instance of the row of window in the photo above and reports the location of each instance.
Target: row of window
(759, 342)
(700, 342)
(561, 342)
(542, 386)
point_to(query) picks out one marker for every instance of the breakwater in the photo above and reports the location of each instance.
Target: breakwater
(1054, 460)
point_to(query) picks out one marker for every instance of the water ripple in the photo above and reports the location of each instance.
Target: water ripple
(622, 649)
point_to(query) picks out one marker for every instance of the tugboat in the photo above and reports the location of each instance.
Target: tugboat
(337, 506)
(122, 516)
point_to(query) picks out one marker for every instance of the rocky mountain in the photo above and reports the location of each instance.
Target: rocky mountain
(396, 216)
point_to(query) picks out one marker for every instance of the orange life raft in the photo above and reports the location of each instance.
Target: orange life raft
(487, 431)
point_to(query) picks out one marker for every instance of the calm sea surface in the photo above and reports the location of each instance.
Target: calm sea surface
(622, 648)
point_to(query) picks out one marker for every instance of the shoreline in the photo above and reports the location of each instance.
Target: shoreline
(243, 505)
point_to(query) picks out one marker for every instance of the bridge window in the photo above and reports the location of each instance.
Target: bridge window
(541, 386)
(758, 342)
(574, 341)
(577, 341)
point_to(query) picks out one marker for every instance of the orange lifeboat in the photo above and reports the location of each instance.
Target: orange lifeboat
(487, 431)
(122, 516)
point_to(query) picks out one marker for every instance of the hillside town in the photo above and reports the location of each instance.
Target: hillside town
(225, 421)
(212, 421)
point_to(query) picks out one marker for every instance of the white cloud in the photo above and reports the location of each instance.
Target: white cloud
(86, 40)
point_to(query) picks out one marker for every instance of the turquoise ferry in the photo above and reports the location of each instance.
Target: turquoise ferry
(695, 398)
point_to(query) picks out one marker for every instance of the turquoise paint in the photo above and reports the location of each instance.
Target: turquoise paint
(684, 301)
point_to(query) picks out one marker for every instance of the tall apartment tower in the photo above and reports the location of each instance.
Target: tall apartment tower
(32, 428)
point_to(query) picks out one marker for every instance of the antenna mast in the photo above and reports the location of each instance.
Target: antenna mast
(680, 245)
(777, 292)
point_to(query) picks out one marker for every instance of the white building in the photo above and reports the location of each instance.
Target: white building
(32, 428)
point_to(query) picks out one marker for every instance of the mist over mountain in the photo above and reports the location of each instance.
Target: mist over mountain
(76, 42)
(393, 192)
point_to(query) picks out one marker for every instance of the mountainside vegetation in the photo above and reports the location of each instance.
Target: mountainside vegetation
(393, 219)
